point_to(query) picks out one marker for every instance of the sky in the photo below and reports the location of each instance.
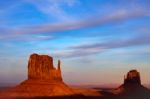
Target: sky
(98, 41)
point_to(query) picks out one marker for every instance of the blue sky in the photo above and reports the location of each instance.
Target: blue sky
(93, 39)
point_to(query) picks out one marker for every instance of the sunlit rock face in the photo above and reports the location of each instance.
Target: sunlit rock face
(41, 67)
(133, 77)
(43, 80)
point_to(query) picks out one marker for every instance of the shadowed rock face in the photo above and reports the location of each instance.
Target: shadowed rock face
(133, 77)
(132, 87)
(41, 67)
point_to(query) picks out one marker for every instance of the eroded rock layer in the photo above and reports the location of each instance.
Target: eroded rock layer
(41, 67)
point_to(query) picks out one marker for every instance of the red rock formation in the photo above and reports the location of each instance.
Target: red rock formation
(41, 67)
(43, 80)
(133, 77)
(132, 87)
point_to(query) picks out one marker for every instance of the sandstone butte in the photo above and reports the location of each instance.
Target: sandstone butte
(43, 80)
(132, 87)
(46, 80)
(132, 78)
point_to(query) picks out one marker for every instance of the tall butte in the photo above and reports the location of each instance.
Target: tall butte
(41, 67)
(43, 80)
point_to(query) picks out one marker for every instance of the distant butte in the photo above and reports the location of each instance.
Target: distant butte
(133, 78)
(132, 87)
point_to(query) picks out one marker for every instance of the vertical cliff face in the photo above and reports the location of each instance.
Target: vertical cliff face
(133, 77)
(41, 67)
(43, 80)
(132, 87)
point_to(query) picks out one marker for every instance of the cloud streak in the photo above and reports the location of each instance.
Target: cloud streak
(53, 8)
(96, 48)
(119, 43)
(119, 16)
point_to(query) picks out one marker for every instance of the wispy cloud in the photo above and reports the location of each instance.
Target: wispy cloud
(72, 53)
(21, 32)
(120, 16)
(118, 43)
(54, 8)
(96, 48)
(26, 38)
